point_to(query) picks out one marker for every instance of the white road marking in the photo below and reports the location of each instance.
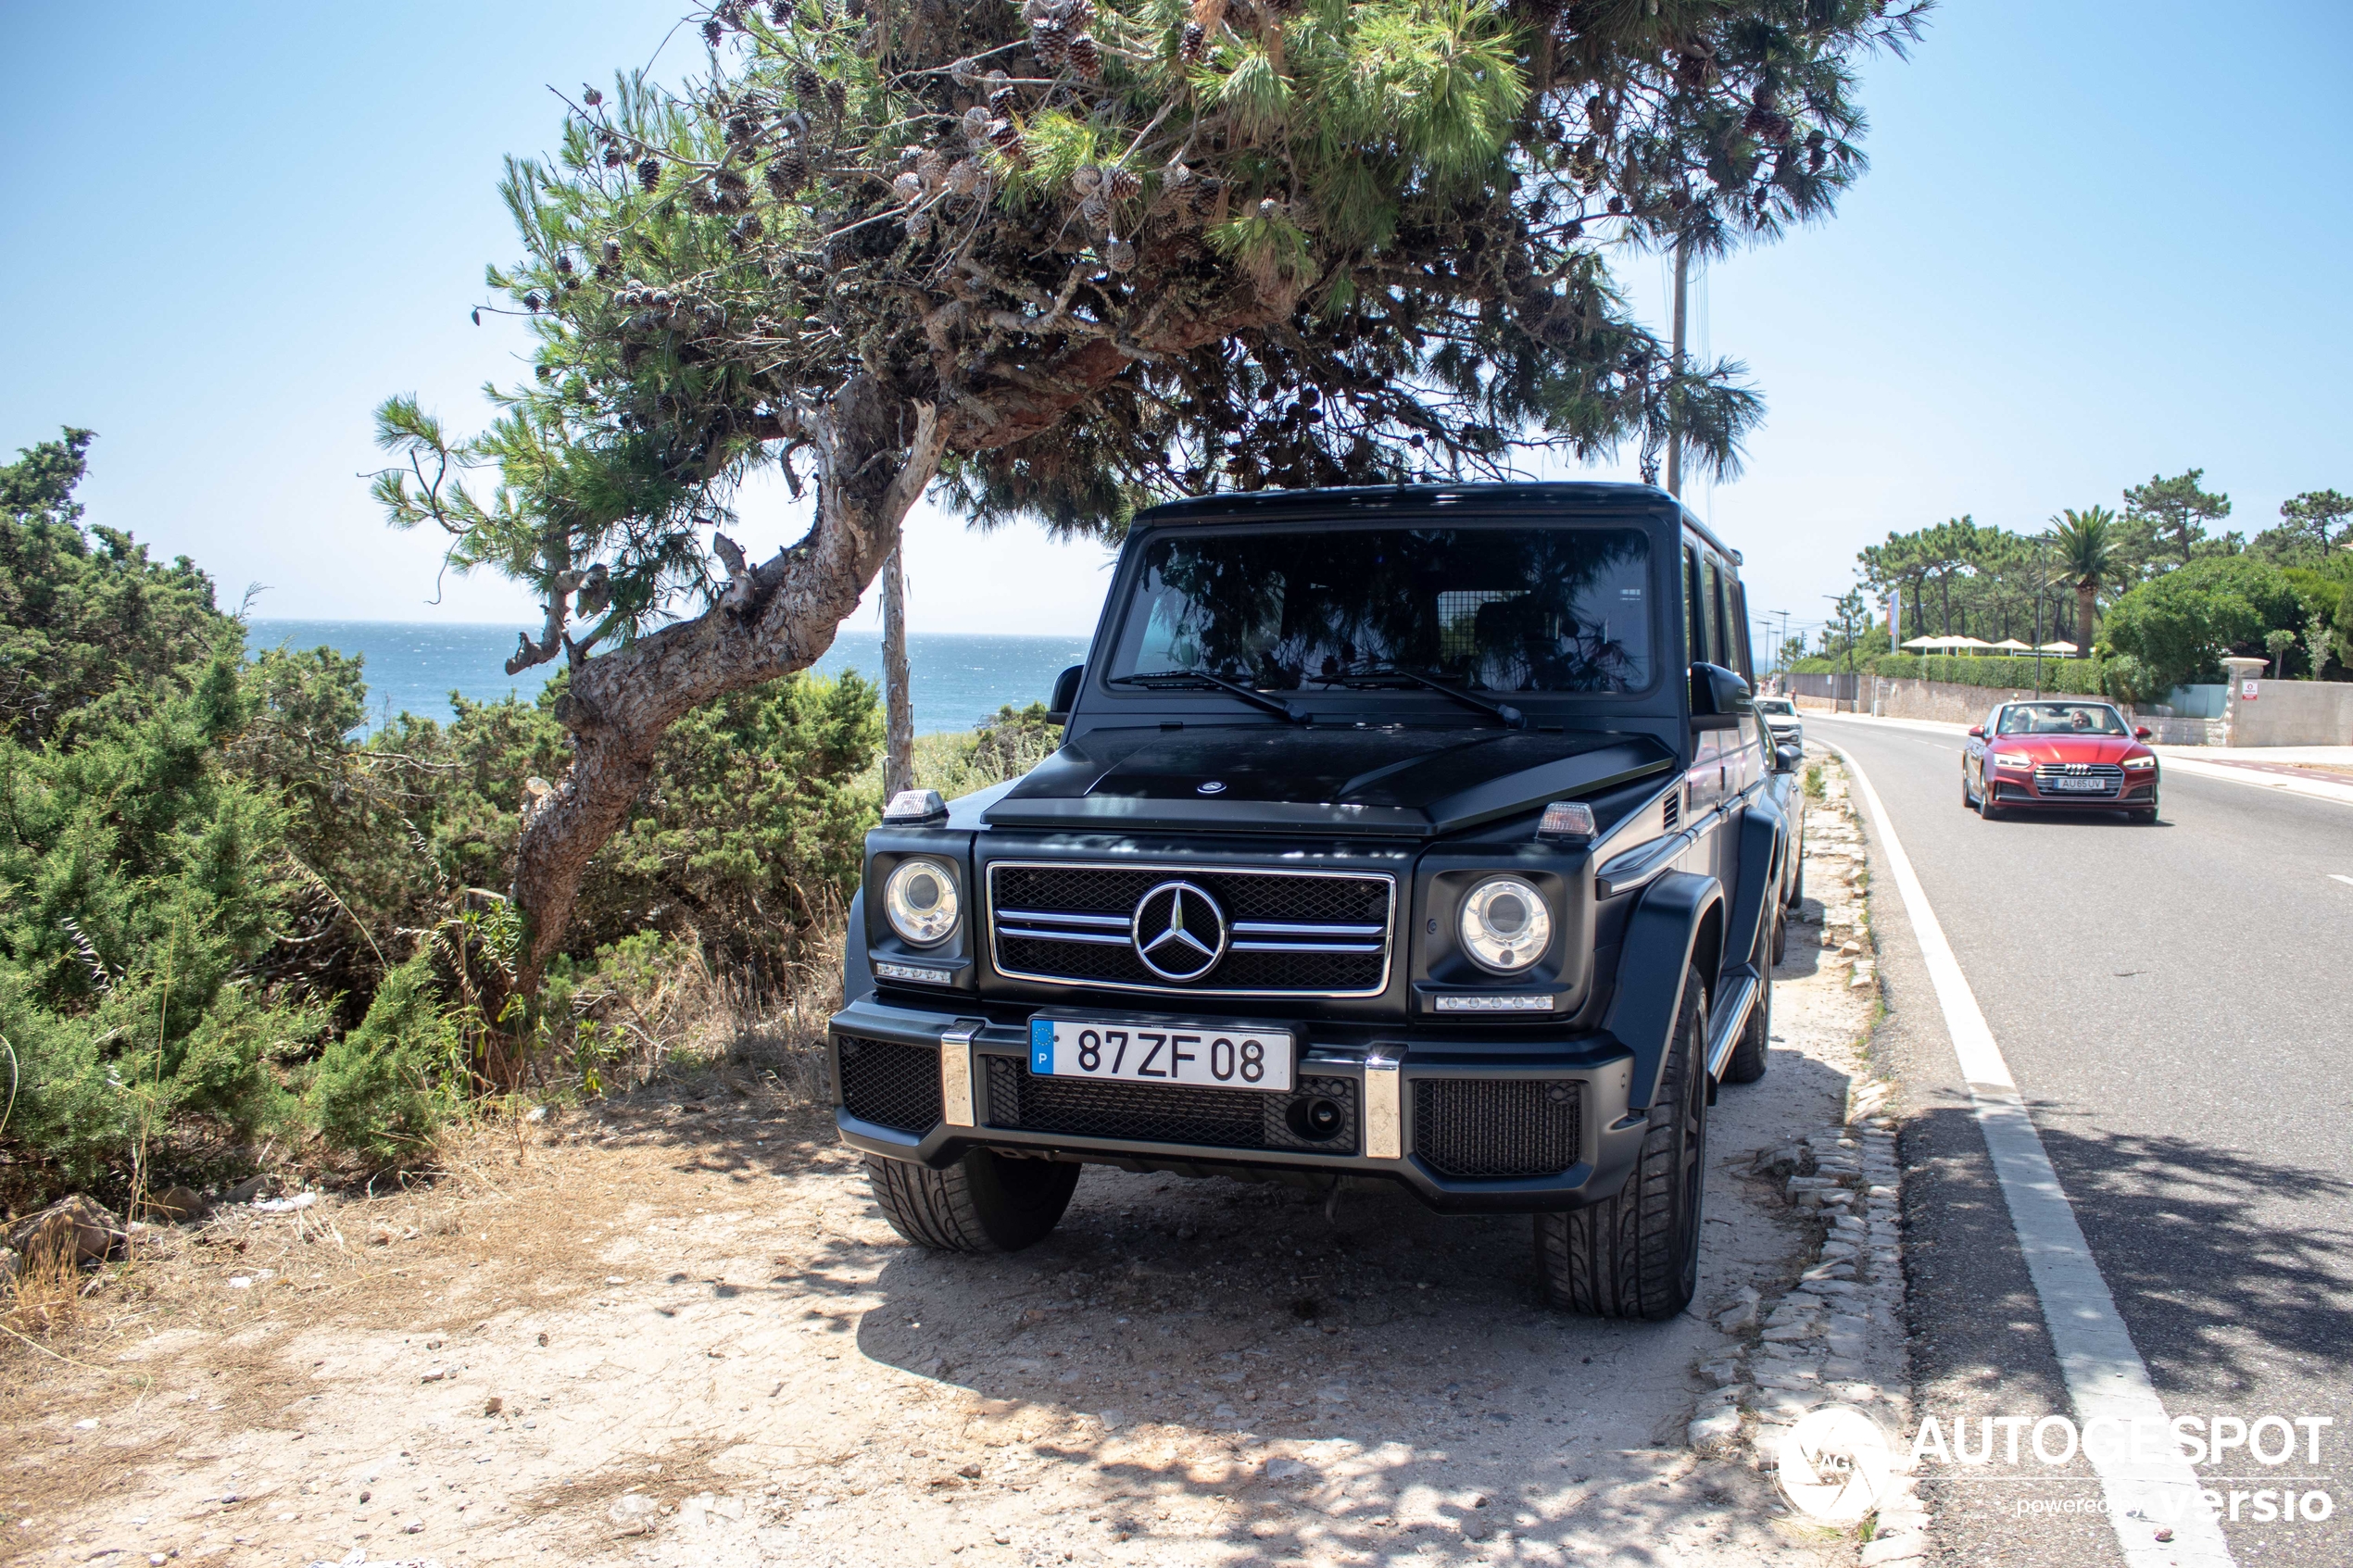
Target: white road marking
(2105, 1373)
(2339, 876)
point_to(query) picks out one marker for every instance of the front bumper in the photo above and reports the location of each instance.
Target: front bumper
(1420, 1109)
(2013, 789)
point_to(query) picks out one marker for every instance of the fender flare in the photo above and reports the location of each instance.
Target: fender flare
(1763, 836)
(857, 974)
(1662, 938)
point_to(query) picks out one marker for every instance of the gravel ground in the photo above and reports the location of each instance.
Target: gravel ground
(675, 1330)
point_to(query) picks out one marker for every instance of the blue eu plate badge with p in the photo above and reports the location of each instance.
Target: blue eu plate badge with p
(1041, 1045)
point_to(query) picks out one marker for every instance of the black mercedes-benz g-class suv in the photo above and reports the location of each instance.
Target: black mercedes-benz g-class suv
(1412, 836)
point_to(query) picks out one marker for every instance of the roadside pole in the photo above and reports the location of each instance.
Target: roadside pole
(1674, 425)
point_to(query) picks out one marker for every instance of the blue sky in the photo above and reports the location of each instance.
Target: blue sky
(2100, 240)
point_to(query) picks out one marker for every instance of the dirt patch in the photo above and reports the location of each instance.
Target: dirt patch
(705, 1346)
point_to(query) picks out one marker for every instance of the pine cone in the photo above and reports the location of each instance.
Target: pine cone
(1095, 211)
(919, 226)
(976, 124)
(930, 168)
(1005, 136)
(908, 188)
(836, 97)
(1127, 185)
(1086, 57)
(564, 264)
(1003, 101)
(806, 85)
(746, 229)
(964, 177)
(713, 32)
(780, 13)
(965, 71)
(787, 171)
(532, 302)
(1177, 176)
(613, 155)
(650, 173)
(1048, 39)
(1080, 15)
(1086, 179)
(1192, 44)
(591, 97)
(1616, 206)
(1119, 255)
(742, 128)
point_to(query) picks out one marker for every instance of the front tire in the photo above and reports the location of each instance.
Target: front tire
(983, 1203)
(1636, 1255)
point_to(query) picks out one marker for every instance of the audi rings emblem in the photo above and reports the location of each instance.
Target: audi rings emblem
(1178, 931)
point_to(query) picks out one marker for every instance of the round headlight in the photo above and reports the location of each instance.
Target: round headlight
(919, 900)
(1505, 924)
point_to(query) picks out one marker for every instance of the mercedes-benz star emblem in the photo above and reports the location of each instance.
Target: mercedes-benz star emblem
(1179, 932)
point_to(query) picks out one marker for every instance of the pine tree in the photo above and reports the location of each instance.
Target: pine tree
(1214, 247)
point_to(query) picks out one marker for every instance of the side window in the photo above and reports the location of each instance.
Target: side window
(1712, 607)
(1695, 622)
(1744, 660)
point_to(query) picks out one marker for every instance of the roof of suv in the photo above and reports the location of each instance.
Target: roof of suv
(1285, 506)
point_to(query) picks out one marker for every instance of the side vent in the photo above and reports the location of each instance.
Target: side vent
(1673, 812)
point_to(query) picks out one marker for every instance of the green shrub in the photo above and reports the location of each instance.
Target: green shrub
(2180, 625)
(370, 1095)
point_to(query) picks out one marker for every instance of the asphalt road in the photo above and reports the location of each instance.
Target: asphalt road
(2176, 1003)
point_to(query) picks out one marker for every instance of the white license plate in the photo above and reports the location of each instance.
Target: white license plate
(2086, 786)
(1161, 1053)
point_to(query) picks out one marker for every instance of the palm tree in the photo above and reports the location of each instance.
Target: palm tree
(2089, 558)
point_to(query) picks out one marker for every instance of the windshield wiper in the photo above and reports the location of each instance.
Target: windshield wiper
(1374, 674)
(1201, 677)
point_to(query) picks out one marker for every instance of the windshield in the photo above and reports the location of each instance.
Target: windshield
(1774, 705)
(1488, 608)
(2061, 719)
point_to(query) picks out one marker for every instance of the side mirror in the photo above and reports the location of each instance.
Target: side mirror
(1786, 758)
(2141, 732)
(1977, 731)
(1065, 694)
(1718, 698)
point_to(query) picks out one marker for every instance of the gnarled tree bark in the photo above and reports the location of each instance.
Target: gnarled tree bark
(875, 454)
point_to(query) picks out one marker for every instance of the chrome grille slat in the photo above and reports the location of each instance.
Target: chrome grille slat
(1292, 933)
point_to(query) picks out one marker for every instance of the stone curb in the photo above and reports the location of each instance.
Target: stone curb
(1836, 1335)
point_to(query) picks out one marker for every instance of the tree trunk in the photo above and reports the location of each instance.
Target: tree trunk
(898, 718)
(875, 454)
(2085, 593)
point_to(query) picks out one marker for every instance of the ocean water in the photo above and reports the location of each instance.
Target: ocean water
(956, 679)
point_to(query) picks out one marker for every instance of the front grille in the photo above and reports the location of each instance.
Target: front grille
(2111, 776)
(1301, 933)
(1488, 1128)
(1029, 1102)
(889, 1084)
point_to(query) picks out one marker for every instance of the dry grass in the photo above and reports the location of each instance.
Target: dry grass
(46, 1300)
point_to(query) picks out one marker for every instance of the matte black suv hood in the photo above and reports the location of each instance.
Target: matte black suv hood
(1416, 784)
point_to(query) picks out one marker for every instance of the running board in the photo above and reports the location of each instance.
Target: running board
(1732, 1004)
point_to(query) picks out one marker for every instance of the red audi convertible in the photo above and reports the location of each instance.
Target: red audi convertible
(2064, 752)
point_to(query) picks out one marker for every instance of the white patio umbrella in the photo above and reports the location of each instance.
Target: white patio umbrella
(2060, 647)
(2011, 645)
